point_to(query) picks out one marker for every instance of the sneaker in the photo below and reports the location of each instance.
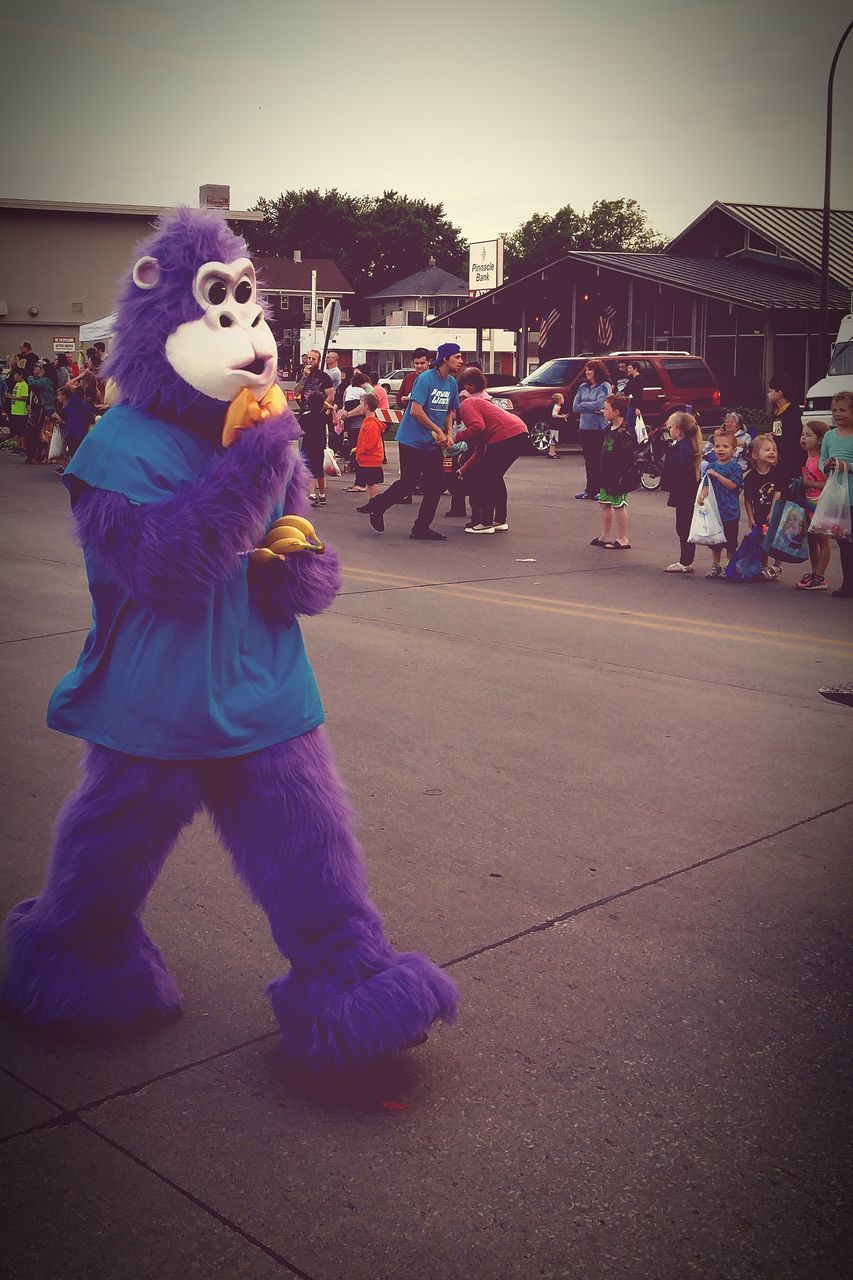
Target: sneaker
(842, 693)
(321, 499)
(767, 574)
(715, 571)
(817, 583)
(312, 498)
(365, 510)
(502, 528)
(805, 579)
(678, 567)
(480, 528)
(377, 521)
(428, 535)
(580, 496)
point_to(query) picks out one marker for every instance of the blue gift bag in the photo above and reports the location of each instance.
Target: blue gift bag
(787, 528)
(748, 561)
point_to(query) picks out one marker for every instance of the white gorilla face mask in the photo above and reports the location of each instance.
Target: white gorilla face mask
(230, 346)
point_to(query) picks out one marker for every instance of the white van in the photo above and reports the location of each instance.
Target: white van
(839, 376)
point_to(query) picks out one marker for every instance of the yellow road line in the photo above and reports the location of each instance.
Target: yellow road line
(673, 623)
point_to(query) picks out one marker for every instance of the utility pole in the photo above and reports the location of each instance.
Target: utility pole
(827, 180)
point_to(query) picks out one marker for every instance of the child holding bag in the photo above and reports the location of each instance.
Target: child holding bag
(837, 447)
(727, 479)
(814, 480)
(681, 476)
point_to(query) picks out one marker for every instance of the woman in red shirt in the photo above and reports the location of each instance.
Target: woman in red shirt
(499, 437)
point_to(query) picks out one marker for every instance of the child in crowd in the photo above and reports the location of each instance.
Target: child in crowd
(19, 394)
(557, 416)
(681, 474)
(814, 480)
(617, 461)
(79, 417)
(759, 488)
(370, 451)
(837, 447)
(727, 478)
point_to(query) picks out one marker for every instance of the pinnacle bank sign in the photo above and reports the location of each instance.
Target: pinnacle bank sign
(485, 265)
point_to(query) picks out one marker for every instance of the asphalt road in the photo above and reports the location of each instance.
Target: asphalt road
(611, 801)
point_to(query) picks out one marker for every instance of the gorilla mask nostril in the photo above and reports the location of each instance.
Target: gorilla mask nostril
(226, 322)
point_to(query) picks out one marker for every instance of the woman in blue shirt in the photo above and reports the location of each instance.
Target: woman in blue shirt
(589, 404)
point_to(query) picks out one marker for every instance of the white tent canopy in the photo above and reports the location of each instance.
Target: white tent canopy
(97, 330)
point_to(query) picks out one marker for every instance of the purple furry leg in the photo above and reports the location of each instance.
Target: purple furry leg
(349, 998)
(77, 957)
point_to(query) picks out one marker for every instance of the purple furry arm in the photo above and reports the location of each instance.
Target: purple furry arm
(305, 583)
(169, 554)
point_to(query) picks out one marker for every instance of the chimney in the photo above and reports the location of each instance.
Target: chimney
(213, 196)
(297, 255)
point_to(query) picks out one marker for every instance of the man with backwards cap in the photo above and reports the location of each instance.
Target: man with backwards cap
(427, 426)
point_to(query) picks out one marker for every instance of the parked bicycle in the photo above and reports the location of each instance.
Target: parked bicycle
(650, 457)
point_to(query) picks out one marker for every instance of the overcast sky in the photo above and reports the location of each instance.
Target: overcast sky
(498, 110)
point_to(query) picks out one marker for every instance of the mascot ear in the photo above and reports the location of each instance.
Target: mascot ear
(146, 273)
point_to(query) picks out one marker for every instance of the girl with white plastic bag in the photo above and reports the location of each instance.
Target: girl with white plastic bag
(836, 454)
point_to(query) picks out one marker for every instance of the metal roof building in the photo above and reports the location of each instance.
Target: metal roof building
(739, 287)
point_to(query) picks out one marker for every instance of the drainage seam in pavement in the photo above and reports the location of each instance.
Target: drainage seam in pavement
(47, 635)
(224, 1221)
(68, 1115)
(552, 921)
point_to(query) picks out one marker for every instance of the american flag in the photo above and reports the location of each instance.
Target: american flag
(605, 326)
(546, 326)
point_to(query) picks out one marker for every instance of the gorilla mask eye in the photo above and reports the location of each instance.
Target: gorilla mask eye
(243, 291)
(216, 291)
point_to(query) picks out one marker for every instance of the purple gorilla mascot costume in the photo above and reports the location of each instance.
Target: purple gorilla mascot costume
(193, 689)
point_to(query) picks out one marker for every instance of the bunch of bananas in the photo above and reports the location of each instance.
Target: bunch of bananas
(284, 537)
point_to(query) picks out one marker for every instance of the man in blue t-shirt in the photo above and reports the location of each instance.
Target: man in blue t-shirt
(426, 428)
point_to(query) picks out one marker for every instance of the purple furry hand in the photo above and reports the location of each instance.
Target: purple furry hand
(303, 583)
(167, 554)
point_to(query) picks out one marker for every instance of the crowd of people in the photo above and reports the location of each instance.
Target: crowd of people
(454, 438)
(49, 405)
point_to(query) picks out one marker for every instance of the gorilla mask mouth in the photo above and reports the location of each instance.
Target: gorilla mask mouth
(257, 366)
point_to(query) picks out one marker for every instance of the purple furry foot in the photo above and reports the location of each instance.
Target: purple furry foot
(99, 985)
(330, 1027)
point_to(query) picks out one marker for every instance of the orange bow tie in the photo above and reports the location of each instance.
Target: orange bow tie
(246, 411)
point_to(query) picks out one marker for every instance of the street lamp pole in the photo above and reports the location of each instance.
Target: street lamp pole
(827, 178)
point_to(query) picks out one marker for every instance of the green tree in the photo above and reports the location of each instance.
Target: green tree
(610, 225)
(614, 225)
(373, 239)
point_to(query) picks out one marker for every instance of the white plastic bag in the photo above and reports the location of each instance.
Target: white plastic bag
(57, 444)
(706, 527)
(330, 463)
(832, 513)
(641, 431)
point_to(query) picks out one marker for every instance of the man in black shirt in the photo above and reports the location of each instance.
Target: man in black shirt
(787, 428)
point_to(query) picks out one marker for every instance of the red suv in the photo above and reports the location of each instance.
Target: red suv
(671, 379)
